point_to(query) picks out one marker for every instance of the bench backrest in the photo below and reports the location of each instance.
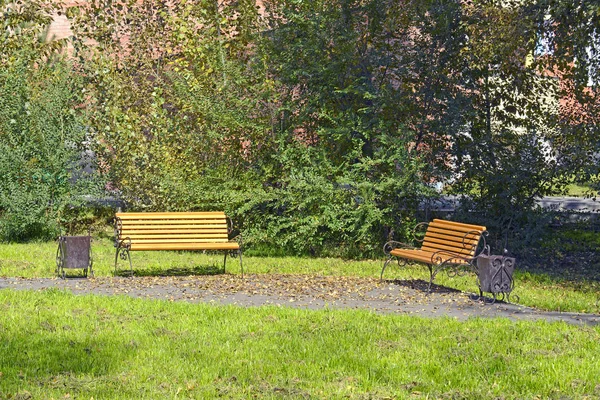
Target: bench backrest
(454, 237)
(172, 227)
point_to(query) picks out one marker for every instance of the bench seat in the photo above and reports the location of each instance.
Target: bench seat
(446, 244)
(184, 246)
(422, 256)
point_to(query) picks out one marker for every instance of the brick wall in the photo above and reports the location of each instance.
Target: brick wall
(61, 27)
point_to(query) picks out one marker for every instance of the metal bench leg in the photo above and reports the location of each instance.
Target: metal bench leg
(116, 258)
(130, 266)
(433, 271)
(124, 256)
(431, 277)
(89, 271)
(385, 264)
(241, 262)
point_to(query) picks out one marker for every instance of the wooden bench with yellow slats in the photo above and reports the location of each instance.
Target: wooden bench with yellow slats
(150, 231)
(446, 244)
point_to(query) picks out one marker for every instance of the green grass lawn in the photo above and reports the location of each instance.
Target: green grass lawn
(57, 345)
(33, 260)
(580, 190)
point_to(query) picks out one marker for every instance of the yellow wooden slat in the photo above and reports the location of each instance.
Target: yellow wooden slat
(175, 241)
(459, 245)
(155, 222)
(454, 231)
(161, 226)
(447, 249)
(185, 246)
(167, 221)
(170, 213)
(458, 252)
(470, 226)
(447, 245)
(457, 226)
(148, 219)
(453, 238)
(177, 236)
(126, 232)
(168, 216)
(457, 234)
(157, 228)
(411, 255)
(423, 256)
(436, 247)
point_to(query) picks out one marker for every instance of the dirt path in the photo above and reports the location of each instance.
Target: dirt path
(303, 291)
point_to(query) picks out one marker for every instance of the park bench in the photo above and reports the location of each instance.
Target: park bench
(445, 245)
(151, 231)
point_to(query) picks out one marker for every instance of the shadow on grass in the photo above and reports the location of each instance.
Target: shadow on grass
(421, 285)
(174, 271)
(561, 269)
(53, 360)
(73, 276)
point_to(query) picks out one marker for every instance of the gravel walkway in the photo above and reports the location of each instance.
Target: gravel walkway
(302, 291)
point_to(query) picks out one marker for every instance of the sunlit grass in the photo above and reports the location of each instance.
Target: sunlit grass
(34, 260)
(580, 190)
(122, 348)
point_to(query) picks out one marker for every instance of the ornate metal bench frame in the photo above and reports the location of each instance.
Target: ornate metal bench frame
(455, 264)
(123, 246)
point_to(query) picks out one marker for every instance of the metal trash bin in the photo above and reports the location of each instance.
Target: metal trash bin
(74, 252)
(495, 274)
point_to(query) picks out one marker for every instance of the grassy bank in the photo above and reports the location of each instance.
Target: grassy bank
(121, 348)
(34, 260)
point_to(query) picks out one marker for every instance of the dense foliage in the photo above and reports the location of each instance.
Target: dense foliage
(320, 126)
(189, 113)
(42, 134)
(519, 141)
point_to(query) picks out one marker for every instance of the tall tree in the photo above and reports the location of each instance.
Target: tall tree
(42, 137)
(340, 90)
(516, 145)
(174, 102)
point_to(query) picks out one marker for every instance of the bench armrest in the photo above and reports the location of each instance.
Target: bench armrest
(124, 243)
(481, 243)
(419, 229)
(392, 245)
(232, 232)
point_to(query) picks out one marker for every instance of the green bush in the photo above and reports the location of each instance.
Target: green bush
(42, 151)
(189, 115)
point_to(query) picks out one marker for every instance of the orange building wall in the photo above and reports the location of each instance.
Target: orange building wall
(61, 27)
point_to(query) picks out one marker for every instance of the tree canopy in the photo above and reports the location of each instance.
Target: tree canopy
(321, 125)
